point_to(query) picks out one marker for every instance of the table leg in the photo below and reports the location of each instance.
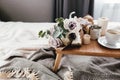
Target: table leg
(57, 62)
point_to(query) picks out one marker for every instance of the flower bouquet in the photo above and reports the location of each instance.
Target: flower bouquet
(68, 32)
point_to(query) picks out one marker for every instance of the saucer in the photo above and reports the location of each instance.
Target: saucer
(102, 41)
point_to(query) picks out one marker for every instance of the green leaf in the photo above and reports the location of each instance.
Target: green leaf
(56, 34)
(56, 28)
(95, 27)
(59, 19)
(61, 24)
(40, 33)
(43, 34)
(48, 32)
(58, 31)
(64, 35)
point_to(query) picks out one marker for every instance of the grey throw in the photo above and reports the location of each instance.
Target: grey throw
(83, 67)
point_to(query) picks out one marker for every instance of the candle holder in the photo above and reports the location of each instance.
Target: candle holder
(95, 31)
(86, 39)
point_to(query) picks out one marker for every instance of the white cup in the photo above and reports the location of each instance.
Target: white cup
(112, 36)
(103, 22)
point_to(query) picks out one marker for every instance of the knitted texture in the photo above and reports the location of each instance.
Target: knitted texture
(81, 75)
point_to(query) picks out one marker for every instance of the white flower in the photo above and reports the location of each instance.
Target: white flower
(83, 21)
(71, 24)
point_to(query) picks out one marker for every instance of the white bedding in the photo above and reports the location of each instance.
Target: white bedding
(17, 34)
(22, 36)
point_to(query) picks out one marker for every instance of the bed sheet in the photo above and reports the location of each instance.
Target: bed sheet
(21, 35)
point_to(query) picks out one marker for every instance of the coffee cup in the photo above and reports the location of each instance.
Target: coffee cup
(113, 36)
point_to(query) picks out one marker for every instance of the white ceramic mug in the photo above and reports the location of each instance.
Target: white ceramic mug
(112, 36)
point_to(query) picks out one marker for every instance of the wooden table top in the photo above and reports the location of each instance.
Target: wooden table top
(92, 49)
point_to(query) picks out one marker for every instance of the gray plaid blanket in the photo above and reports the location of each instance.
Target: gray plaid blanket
(38, 66)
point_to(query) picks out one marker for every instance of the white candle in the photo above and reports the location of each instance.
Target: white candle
(103, 22)
(86, 39)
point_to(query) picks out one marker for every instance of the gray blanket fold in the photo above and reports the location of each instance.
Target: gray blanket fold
(41, 69)
(82, 75)
(83, 67)
(34, 62)
(100, 68)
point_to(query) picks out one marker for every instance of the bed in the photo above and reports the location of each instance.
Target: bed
(25, 56)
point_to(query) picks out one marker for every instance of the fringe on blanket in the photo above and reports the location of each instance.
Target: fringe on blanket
(68, 74)
(19, 73)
